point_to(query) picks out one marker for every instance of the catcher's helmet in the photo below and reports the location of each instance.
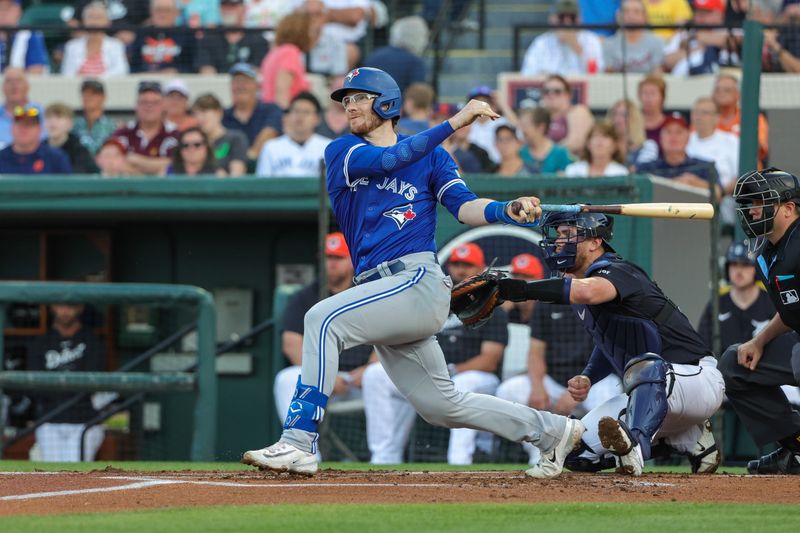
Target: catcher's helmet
(589, 225)
(372, 80)
(737, 253)
(766, 189)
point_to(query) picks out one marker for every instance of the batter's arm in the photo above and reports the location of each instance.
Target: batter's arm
(487, 361)
(483, 211)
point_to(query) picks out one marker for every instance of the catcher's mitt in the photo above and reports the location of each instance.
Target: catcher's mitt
(474, 299)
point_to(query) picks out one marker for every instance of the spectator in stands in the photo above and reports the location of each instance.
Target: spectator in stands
(218, 52)
(703, 51)
(299, 151)
(125, 12)
(474, 359)
(230, 146)
(629, 125)
(27, 153)
(347, 21)
(633, 50)
(432, 12)
(176, 105)
(784, 43)
(266, 14)
(352, 361)
(408, 38)
(95, 53)
(150, 142)
(726, 95)
(283, 72)
(15, 93)
(163, 46)
(763, 11)
(509, 145)
(709, 142)
(675, 163)
(257, 120)
(94, 127)
(559, 348)
(540, 154)
(111, 160)
(470, 158)
(602, 155)
(194, 156)
(593, 12)
(20, 49)
(569, 123)
(652, 92)
(334, 121)
(667, 13)
(58, 123)
(529, 268)
(199, 13)
(564, 51)
(481, 132)
(328, 56)
(68, 346)
(417, 109)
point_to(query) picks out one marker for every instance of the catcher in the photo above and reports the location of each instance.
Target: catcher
(671, 382)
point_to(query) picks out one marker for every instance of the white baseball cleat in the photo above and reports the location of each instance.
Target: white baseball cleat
(282, 457)
(551, 462)
(705, 457)
(615, 438)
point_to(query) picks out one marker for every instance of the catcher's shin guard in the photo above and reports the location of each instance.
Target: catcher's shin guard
(645, 383)
(307, 408)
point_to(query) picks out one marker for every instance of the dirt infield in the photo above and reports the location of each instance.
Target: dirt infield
(116, 490)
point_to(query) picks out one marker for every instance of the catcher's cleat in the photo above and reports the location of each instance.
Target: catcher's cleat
(781, 461)
(282, 457)
(551, 462)
(616, 438)
(705, 457)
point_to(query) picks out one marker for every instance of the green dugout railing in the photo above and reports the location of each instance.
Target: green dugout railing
(204, 382)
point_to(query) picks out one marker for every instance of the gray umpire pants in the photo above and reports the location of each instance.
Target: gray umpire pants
(400, 314)
(756, 395)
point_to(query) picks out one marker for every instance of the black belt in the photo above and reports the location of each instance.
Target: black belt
(391, 269)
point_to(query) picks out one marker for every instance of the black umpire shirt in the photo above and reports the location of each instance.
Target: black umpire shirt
(79, 353)
(295, 312)
(568, 346)
(779, 267)
(460, 343)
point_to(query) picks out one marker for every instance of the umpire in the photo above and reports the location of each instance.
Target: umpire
(769, 211)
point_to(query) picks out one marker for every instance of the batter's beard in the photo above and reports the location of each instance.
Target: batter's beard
(369, 123)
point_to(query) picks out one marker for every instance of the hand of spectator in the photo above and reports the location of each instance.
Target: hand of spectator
(771, 39)
(470, 112)
(538, 398)
(578, 387)
(749, 354)
(341, 386)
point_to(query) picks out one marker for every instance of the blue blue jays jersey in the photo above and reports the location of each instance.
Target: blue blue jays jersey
(384, 199)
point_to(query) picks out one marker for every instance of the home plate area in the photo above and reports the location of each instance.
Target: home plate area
(112, 489)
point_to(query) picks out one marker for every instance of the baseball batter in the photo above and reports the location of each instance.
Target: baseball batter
(384, 189)
(671, 382)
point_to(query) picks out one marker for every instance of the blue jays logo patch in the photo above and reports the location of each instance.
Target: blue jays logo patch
(401, 215)
(350, 75)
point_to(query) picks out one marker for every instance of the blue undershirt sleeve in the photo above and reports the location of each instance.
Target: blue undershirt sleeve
(598, 366)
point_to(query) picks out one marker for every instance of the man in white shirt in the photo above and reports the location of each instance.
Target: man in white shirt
(298, 152)
(565, 52)
(708, 142)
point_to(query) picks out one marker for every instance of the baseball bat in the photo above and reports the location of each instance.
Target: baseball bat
(689, 211)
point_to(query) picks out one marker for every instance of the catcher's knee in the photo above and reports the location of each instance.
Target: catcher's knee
(728, 364)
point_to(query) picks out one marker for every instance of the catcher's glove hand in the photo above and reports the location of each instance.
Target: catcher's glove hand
(474, 299)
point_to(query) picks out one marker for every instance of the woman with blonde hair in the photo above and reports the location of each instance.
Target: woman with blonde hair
(628, 123)
(602, 155)
(283, 70)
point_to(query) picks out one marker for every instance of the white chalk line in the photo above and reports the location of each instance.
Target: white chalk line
(131, 486)
(277, 485)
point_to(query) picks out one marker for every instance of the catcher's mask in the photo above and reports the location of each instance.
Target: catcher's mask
(758, 195)
(560, 251)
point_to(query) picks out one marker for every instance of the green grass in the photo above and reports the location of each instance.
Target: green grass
(157, 466)
(483, 518)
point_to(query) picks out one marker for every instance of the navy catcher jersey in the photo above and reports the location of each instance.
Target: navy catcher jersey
(385, 204)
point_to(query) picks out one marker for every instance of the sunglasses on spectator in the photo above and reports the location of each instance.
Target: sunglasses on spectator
(28, 112)
(553, 90)
(198, 144)
(358, 98)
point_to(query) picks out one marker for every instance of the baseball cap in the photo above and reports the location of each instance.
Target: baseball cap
(566, 7)
(94, 86)
(245, 69)
(469, 253)
(675, 118)
(480, 91)
(335, 245)
(710, 5)
(177, 86)
(149, 86)
(25, 112)
(527, 265)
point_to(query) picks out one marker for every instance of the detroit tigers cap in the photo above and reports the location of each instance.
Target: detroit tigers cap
(527, 265)
(335, 245)
(469, 253)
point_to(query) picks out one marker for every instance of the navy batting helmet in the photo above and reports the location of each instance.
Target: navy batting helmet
(766, 189)
(560, 251)
(737, 253)
(372, 80)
